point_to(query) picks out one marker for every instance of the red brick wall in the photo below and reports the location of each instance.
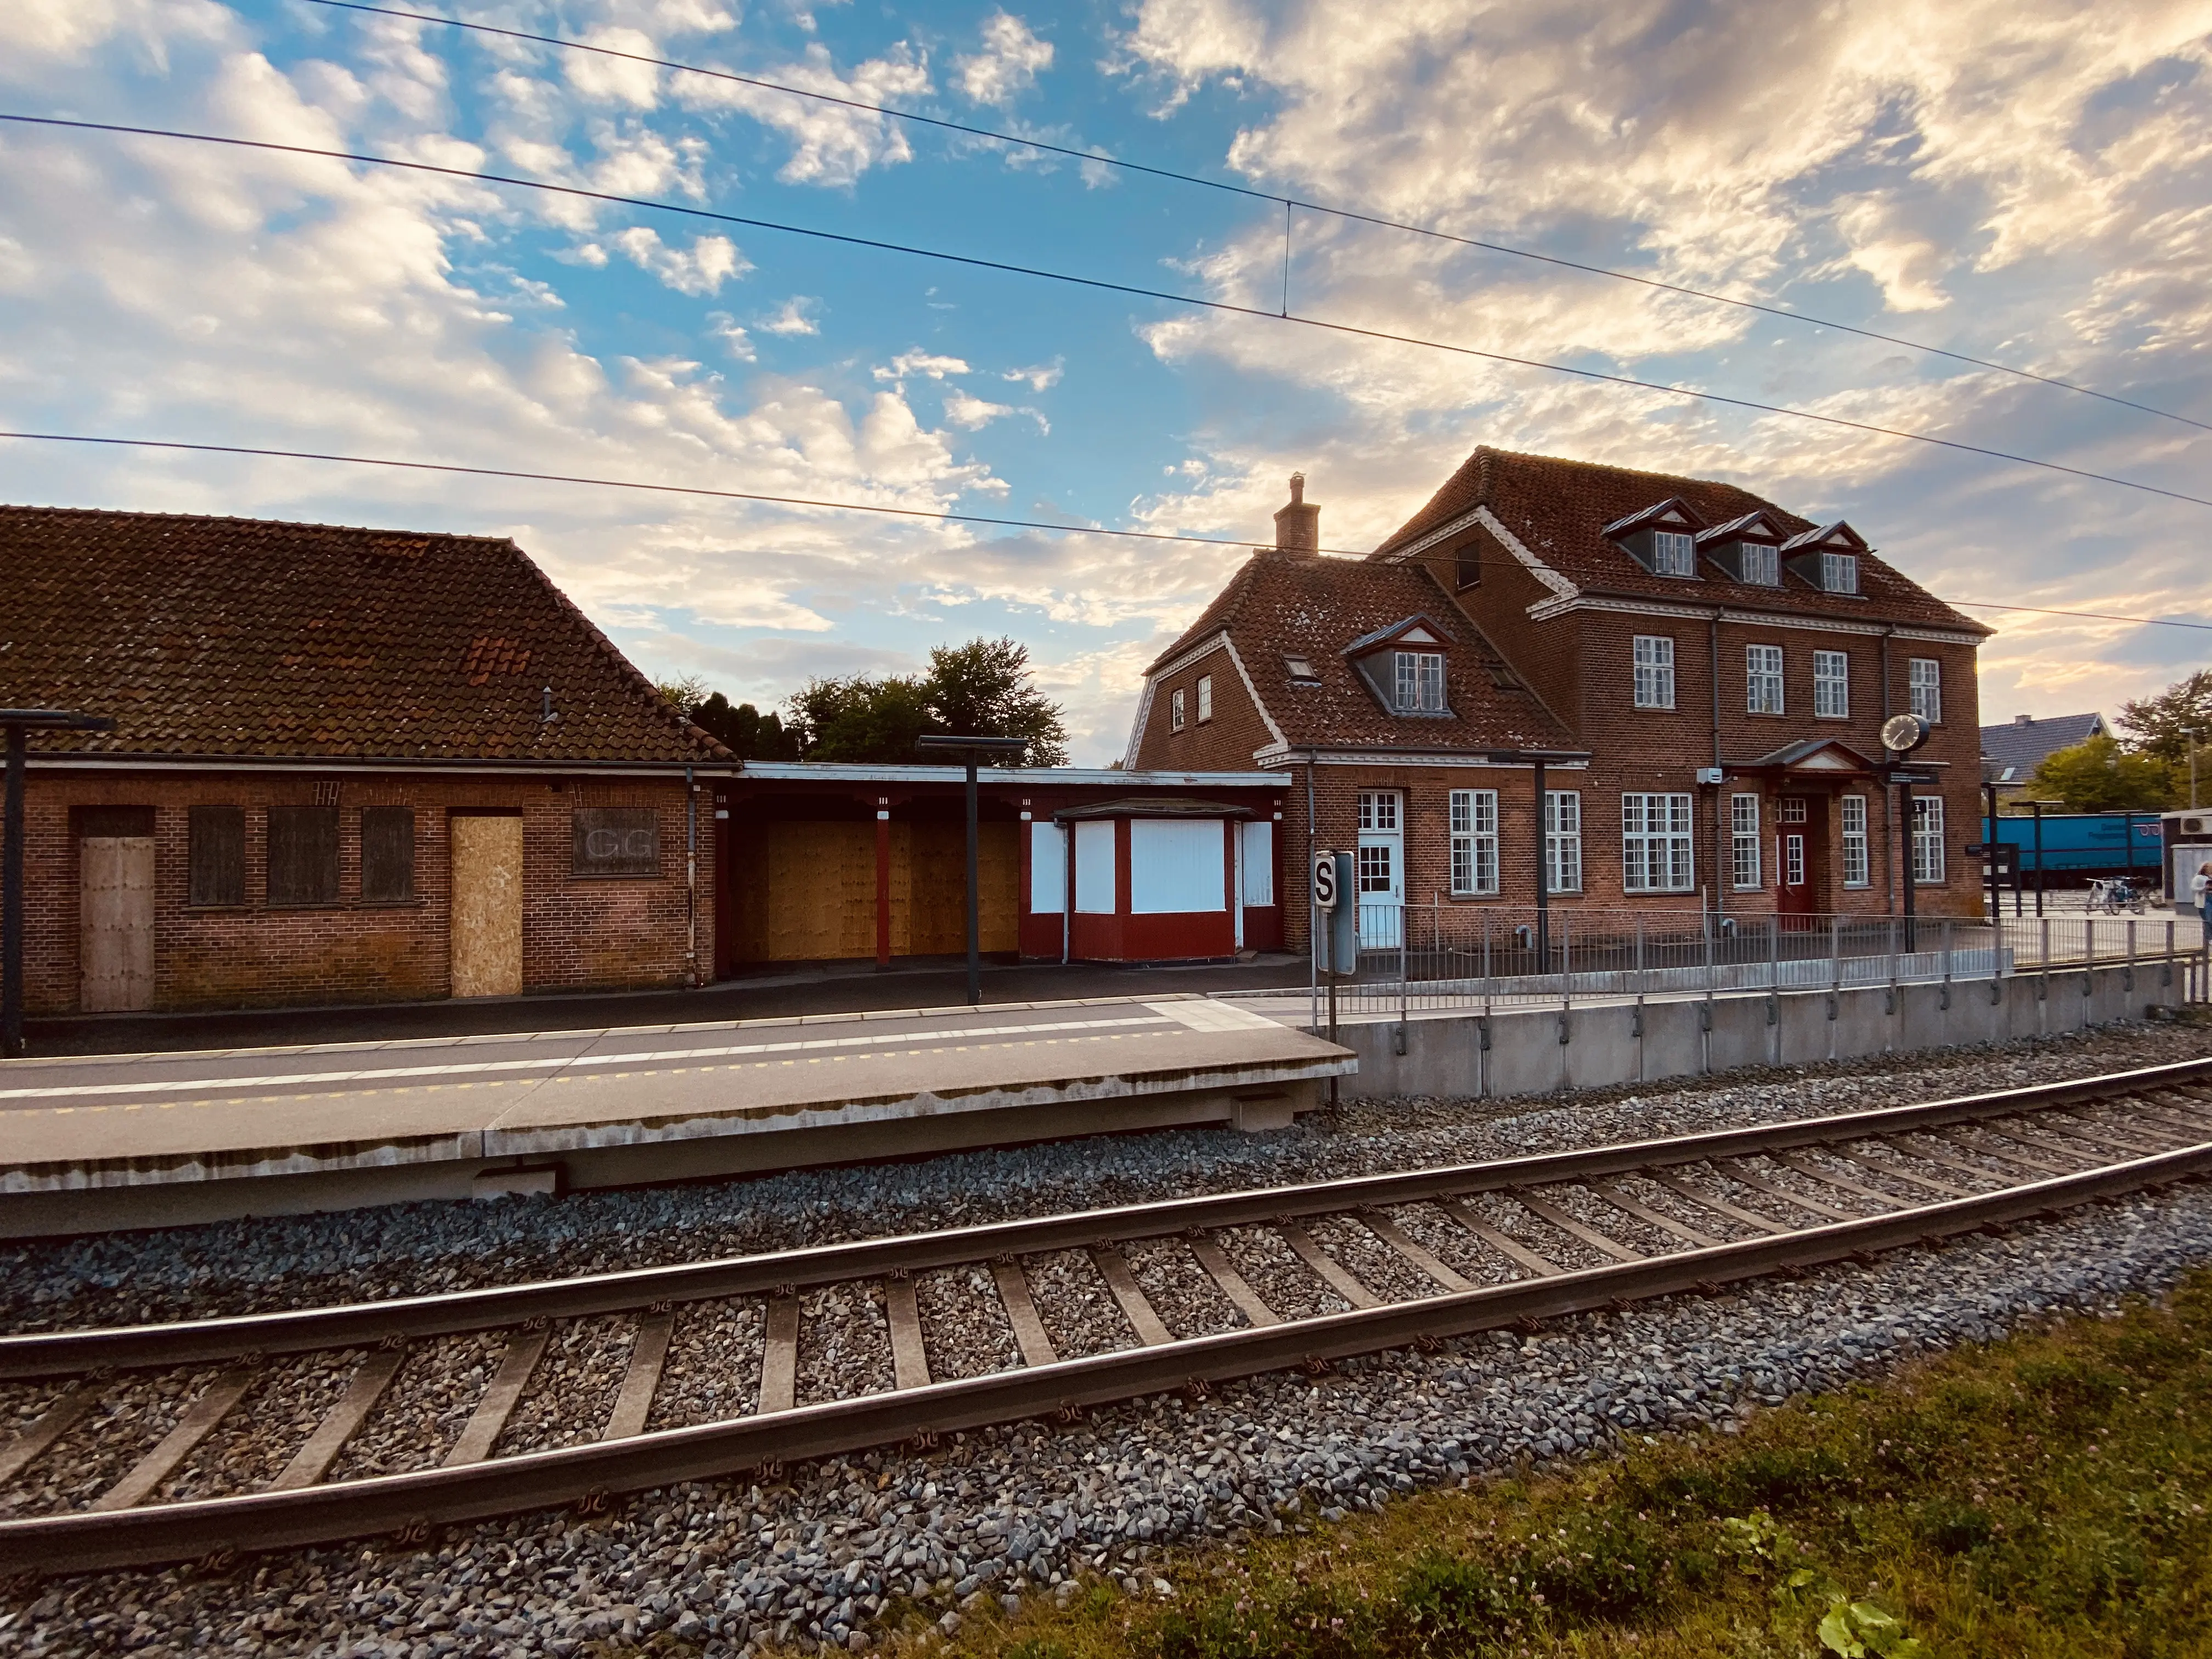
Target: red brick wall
(1224, 744)
(577, 932)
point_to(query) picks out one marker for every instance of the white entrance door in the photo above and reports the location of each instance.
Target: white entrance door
(1381, 869)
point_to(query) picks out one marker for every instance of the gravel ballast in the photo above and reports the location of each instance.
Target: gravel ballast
(720, 1565)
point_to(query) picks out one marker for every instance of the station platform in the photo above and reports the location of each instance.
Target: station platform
(100, 1142)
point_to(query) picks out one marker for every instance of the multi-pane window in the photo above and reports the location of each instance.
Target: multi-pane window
(1743, 843)
(1793, 859)
(1374, 868)
(1175, 709)
(1839, 573)
(1925, 679)
(1831, 684)
(1854, 841)
(1928, 838)
(1759, 563)
(1762, 669)
(1473, 840)
(1420, 682)
(1563, 841)
(1655, 671)
(1672, 553)
(1205, 698)
(1378, 809)
(1655, 843)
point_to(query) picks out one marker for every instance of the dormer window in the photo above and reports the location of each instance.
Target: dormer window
(1301, 670)
(1419, 681)
(1839, 573)
(1672, 553)
(1760, 565)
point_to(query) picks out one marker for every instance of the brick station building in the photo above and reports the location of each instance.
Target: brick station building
(1707, 673)
(347, 765)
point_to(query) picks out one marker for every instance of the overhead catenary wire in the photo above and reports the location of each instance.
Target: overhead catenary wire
(1102, 159)
(1101, 284)
(944, 516)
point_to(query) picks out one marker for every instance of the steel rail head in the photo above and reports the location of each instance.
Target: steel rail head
(54, 1353)
(406, 1505)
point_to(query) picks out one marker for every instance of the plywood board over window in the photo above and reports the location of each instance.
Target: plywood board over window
(487, 919)
(116, 923)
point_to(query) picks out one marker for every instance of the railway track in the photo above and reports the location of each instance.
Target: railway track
(568, 1391)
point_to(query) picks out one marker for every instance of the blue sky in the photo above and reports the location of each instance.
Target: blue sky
(1997, 179)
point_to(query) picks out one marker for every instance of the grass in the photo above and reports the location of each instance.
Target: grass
(2045, 1496)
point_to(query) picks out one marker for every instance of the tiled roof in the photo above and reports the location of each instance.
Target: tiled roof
(1303, 604)
(241, 637)
(1558, 510)
(2021, 748)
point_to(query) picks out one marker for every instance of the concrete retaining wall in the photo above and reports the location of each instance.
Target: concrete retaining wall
(1533, 1051)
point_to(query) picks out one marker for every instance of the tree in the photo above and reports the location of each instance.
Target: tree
(861, 718)
(983, 689)
(2161, 725)
(2098, 775)
(749, 735)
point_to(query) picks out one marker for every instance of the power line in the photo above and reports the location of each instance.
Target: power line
(1288, 202)
(591, 482)
(973, 262)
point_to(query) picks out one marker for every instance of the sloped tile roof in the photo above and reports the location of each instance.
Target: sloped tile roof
(1282, 605)
(2022, 748)
(1558, 510)
(246, 637)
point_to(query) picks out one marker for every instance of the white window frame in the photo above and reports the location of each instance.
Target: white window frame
(1655, 671)
(1205, 698)
(1563, 841)
(1761, 563)
(1793, 859)
(1831, 685)
(1657, 833)
(1381, 811)
(1418, 682)
(1175, 709)
(1674, 553)
(1762, 691)
(1474, 842)
(1839, 573)
(1858, 868)
(1923, 680)
(1928, 840)
(1743, 844)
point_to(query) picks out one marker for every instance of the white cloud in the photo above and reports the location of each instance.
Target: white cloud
(920, 362)
(972, 414)
(712, 261)
(615, 80)
(1012, 59)
(725, 328)
(1039, 377)
(793, 318)
(831, 144)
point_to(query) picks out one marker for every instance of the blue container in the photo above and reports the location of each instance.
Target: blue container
(2086, 844)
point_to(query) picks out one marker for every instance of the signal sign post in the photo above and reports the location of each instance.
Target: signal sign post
(1336, 929)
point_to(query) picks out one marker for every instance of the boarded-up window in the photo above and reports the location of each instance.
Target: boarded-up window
(218, 854)
(618, 841)
(111, 823)
(303, 855)
(387, 854)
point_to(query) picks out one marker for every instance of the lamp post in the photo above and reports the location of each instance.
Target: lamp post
(2038, 807)
(1995, 863)
(1538, 759)
(18, 724)
(970, 749)
(1901, 734)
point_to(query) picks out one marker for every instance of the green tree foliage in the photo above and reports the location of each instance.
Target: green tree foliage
(2098, 775)
(747, 733)
(982, 688)
(2160, 726)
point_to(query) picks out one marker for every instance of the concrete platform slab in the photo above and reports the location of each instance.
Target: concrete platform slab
(148, 1139)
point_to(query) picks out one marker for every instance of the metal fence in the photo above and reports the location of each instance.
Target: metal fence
(1414, 958)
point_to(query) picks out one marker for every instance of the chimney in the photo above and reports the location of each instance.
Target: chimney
(1298, 526)
(2023, 720)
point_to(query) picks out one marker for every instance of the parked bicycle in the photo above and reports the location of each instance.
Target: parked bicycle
(2114, 895)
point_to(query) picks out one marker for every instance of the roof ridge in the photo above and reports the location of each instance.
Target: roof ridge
(238, 519)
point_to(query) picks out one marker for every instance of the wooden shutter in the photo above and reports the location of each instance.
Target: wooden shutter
(387, 854)
(218, 855)
(303, 855)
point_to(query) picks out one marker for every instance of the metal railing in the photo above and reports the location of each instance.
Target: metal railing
(1418, 958)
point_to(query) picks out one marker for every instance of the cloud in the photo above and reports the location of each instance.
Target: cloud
(920, 362)
(971, 413)
(1012, 59)
(712, 261)
(723, 327)
(832, 144)
(615, 80)
(793, 318)
(1041, 377)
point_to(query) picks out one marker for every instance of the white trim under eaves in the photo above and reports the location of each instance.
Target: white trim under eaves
(1137, 728)
(1545, 610)
(1429, 538)
(1296, 754)
(1205, 648)
(1536, 568)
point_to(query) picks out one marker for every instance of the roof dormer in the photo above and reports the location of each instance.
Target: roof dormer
(1403, 666)
(1827, 558)
(1662, 538)
(1749, 548)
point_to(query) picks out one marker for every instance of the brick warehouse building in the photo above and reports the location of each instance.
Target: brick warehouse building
(1723, 667)
(346, 765)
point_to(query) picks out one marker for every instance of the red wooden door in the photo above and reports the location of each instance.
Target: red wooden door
(1799, 844)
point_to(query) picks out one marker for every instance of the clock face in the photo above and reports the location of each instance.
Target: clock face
(1903, 733)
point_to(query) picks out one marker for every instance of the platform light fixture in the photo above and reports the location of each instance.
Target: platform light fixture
(972, 751)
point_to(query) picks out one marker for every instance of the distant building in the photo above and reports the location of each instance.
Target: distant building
(2010, 753)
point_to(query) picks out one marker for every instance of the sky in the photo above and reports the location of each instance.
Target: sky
(2023, 182)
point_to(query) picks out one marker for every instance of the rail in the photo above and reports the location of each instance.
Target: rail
(1488, 1245)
